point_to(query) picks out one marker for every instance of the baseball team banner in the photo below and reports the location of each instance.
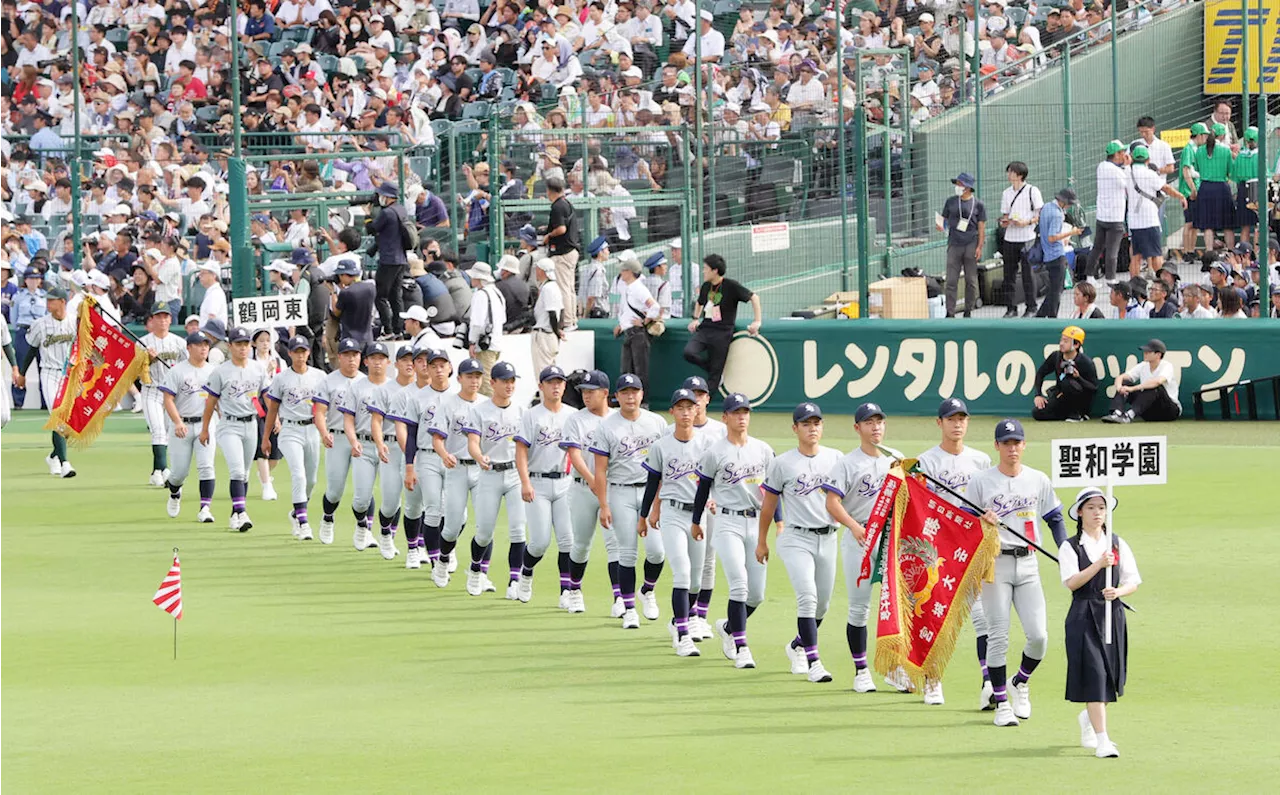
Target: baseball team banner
(269, 311)
(104, 363)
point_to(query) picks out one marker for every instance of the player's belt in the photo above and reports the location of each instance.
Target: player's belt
(683, 506)
(467, 462)
(822, 531)
(1016, 552)
(368, 437)
(547, 475)
(581, 482)
(296, 422)
(249, 418)
(750, 513)
(640, 485)
(503, 466)
(192, 420)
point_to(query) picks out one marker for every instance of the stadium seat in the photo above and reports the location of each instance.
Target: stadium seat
(1016, 15)
(298, 34)
(441, 128)
(637, 185)
(277, 48)
(475, 110)
(328, 63)
(119, 37)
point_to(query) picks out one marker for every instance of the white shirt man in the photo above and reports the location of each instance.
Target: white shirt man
(712, 42)
(214, 304)
(1021, 204)
(1113, 189)
(1159, 153)
(1143, 212)
(1142, 372)
(488, 311)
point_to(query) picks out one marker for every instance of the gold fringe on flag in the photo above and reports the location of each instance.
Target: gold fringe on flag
(892, 650)
(981, 567)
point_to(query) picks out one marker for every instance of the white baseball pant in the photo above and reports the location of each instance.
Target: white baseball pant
(1017, 584)
(810, 560)
(683, 553)
(237, 439)
(427, 495)
(391, 479)
(459, 483)
(584, 510)
(300, 446)
(549, 511)
(624, 504)
(182, 451)
(337, 463)
(707, 578)
(50, 383)
(494, 489)
(859, 595)
(364, 471)
(153, 412)
(735, 544)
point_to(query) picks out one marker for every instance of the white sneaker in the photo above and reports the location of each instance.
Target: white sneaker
(474, 586)
(67, 471)
(164, 477)
(304, 532)
(486, 584)
(1107, 750)
(565, 600)
(174, 506)
(649, 605)
(411, 559)
(862, 681)
(630, 619)
(156, 480)
(1020, 696)
(55, 466)
(675, 635)
(743, 659)
(234, 521)
(700, 629)
(387, 546)
(205, 516)
(359, 537)
(619, 607)
(576, 603)
(326, 532)
(1088, 737)
(245, 522)
(687, 648)
(440, 573)
(817, 673)
(727, 646)
(799, 663)
(933, 694)
(453, 562)
(987, 700)
(269, 492)
(293, 522)
(513, 591)
(524, 588)
(1004, 714)
(898, 680)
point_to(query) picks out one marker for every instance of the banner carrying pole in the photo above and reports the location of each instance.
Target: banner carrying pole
(1106, 630)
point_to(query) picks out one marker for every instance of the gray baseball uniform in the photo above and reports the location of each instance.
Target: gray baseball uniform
(584, 509)
(390, 472)
(299, 439)
(364, 468)
(626, 444)
(170, 350)
(808, 547)
(237, 431)
(677, 463)
(447, 422)
(737, 474)
(857, 480)
(417, 407)
(186, 384)
(706, 580)
(53, 338)
(497, 426)
(541, 432)
(337, 460)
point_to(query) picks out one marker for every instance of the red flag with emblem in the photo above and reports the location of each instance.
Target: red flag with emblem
(169, 596)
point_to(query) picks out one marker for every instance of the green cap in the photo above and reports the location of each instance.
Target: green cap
(56, 293)
(1113, 147)
(1140, 153)
(1219, 130)
(1251, 133)
(1199, 129)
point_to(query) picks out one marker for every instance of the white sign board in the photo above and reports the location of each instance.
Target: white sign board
(1126, 460)
(269, 311)
(770, 237)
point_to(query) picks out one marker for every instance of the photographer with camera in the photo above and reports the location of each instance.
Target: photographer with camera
(394, 234)
(1077, 381)
(484, 322)
(352, 305)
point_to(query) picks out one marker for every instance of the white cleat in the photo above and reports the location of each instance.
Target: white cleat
(699, 629)
(474, 586)
(576, 602)
(304, 532)
(245, 522)
(1020, 697)
(55, 466)
(440, 573)
(1088, 737)
(513, 591)
(524, 588)
(486, 584)
(862, 681)
(174, 505)
(411, 559)
(387, 546)
(565, 600)
(743, 659)
(453, 562)
(649, 605)
(687, 648)
(933, 694)
(675, 634)
(293, 520)
(799, 663)
(67, 471)
(164, 477)
(326, 532)
(898, 680)
(727, 646)
(817, 673)
(1107, 750)
(619, 607)
(234, 521)
(269, 492)
(987, 700)
(630, 619)
(205, 516)
(156, 480)
(1004, 714)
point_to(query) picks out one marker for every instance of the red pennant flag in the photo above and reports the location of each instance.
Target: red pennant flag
(169, 597)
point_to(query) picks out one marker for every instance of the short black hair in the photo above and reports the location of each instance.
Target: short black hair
(715, 262)
(1146, 121)
(350, 237)
(1018, 167)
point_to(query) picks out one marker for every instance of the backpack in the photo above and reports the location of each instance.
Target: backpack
(408, 232)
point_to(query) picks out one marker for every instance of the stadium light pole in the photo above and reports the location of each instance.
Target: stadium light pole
(1115, 76)
(73, 167)
(843, 161)
(242, 281)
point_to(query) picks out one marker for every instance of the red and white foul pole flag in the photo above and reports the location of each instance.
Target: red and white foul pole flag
(169, 597)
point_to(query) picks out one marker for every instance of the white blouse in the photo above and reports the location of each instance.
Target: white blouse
(1126, 569)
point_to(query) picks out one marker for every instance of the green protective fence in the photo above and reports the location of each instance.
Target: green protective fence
(909, 366)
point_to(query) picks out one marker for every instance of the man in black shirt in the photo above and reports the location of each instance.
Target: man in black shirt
(713, 318)
(264, 82)
(1077, 378)
(563, 240)
(1162, 307)
(353, 304)
(392, 262)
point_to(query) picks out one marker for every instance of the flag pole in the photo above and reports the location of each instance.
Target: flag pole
(1106, 630)
(175, 620)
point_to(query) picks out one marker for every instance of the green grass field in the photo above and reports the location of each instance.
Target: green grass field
(305, 668)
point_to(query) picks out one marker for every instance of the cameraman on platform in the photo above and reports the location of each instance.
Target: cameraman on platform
(390, 226)
(1077, 381)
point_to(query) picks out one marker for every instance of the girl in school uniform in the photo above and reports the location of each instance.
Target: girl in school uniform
(1215, 208)
(1095, 669)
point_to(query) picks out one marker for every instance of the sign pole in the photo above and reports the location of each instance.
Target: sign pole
(1106, 629)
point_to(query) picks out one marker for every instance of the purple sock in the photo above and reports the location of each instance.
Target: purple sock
(704, 602)
(1025, 670)
(998, 682)
(682, 626)
(485, 555)
(613, 578)
(857, 637)
(429, 538)
(477, 555)
(739, 639)
(627, 585)
(576, 572)
(206, 493)
(300, 512)
(563, 563)
(238, 488)
(527, 565)
(515, 559)
(811, 654)
(982, 657)
(652, 571)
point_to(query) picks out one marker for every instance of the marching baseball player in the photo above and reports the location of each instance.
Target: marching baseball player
(462, 473)
(808, 547)
(955, 464)
(672, 464)
(264, 351)
(699, 629)
(165, 350)
(364, 450)
(289, 403)
(50, 337)
(621, 445)
(1018, 496)
(413, 410)
(542, 465)
(390, 455)
(584, 509)
(231, 388)
(731, 473)
(491, 427)
(851, 491)
(184, 399)
(337, 457)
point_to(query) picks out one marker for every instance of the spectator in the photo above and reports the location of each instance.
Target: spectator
(1160, 153)
(1125, 302)
(563, 239)
(1020, 206)
(515, 295)
(428, 208)
(1113, 185)
(1145, 187)
(1147, 391)
(964, 216)
(214, 304)
(714, 317)
(435, 296)
(636, 308)
(1162, 307)
(547, 331)
(1231, 303)
(593, 291)
(417, 327)
(389, 237)
(166, 274)
(1076, 381)
(1054, 231)
(1195, 304)
(352, 306)
(485, 321)
(1215, 209)
(28, 306)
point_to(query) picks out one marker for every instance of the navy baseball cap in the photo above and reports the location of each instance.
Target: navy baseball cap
(595, 379)
(806, 411)
(683, 394)
(436, 354)
(160, 308)
(503, 371)
(404, 352)
(377, 349)
(868, 410)
(348, 345)
(696, 383)
(1009, 429)
(347, 267)
(470, 366)
(596, 245)
(215, 329)
(655, 260)
(420, 352)
(238, 334)
(196, 338)
(551, 373)
(299, 343)
(951, 407)
(736, 402)
(628, 381)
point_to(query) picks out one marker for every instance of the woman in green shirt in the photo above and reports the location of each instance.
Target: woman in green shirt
(1188, 184)
(1244, 172)
(1215, 207)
